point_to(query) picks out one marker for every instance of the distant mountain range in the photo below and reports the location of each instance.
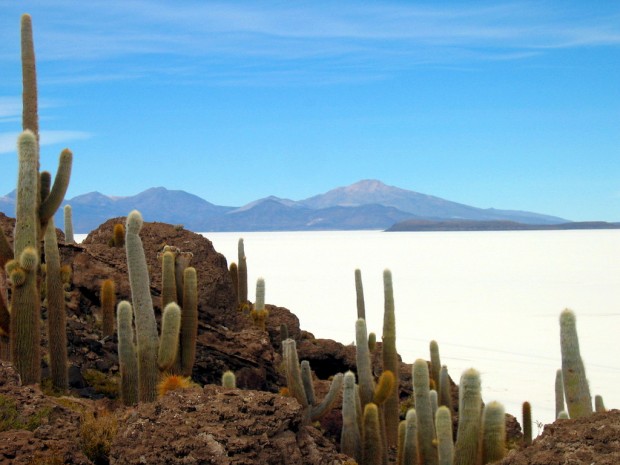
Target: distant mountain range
(367, 204)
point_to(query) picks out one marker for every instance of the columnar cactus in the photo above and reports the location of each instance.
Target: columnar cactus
(259, 313)
(527, 423)
(68, 216)
(189, 321)
(410, 450)
(435, 363)
(146, 326)
(169, 342)
(493, 447)
(234, 277)
(182, 261)
(30, 114)
(57, 319)
(108, 305)
(468, 431)
(312, 411)
(599, 405)
(242, 273)
(364, 367)
(445, 444)
(372, 443)
(350, 437)
(118, 235)
(424, 412)
(127, 357)
(168, 278)
(359, 293)
(390, 360)
(576, 389)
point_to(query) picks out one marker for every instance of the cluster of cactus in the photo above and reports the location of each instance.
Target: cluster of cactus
(301, 387)
(141, 365)
(37, 201)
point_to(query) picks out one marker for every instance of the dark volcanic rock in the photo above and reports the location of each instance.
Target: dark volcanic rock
(218, 426)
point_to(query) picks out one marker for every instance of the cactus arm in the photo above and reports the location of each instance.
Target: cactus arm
(319, 411)
(410, 451)
(293, 372)
(127, 358)
(168, 279)
(364, 369)
(306, 379)
(559, 393)
(445, 390)
(169, 342)
(146, 327)
(435, 363)
(59, 189)
(57, 318)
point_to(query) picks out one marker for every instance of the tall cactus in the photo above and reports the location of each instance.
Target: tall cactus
(576, 389)
(127, 357)
(390, 360)
(242, 273)
(526, 410)
(493, 447)
(435, 363)
(470, 406)
(57, 318)
(234, 277)
(146, 326)
(424, 412)
(189, 323)
(68, 217)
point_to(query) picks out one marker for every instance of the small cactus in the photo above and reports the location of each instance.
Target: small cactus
(493, 442)
(445, 444)
(169, 343)
(127, 357)
(189, 321)
(372, 443)
(118, 235)
(108, 304)
(68, 217)
(350, 440)
(599, 405)
(527, 423)
(424, 412)
(410, 450)
(559, 393)
(229, 381)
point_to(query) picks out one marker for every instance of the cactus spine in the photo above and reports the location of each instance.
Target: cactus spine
(189, 323)
(68, 215)
(127, 357)
(468, 431)
(146, 327)
(57, 319)
(527, 423)
(493, 433)
(108, 304)
(443, 427)
(350, 440)
(390, 360)
(576, 389)
(359, 293)
(424, 412)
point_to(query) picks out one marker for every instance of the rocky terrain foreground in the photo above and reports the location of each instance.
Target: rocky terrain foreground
(206, 423)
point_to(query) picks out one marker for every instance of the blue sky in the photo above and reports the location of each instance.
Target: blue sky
(511, 105)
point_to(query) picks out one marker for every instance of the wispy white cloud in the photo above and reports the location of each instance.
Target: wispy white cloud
(316, 37)
(8, 140)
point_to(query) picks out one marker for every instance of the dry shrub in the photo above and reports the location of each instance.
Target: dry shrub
(97, 431)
